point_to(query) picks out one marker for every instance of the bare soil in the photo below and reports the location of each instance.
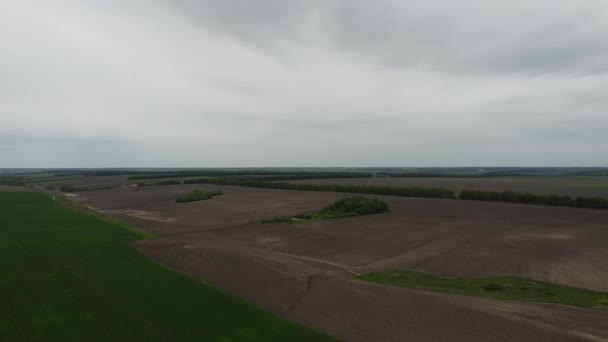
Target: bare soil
(14, 188)
(304, 271)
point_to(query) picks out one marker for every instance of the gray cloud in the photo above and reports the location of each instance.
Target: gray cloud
(272, 82)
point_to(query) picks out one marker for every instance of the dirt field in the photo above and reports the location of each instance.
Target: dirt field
(84, 182)
(304, 271)
(13, 188)
(570, 186)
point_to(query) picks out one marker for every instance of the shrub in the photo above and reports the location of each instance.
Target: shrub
(197, 195)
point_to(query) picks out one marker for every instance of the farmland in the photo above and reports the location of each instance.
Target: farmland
(297, 271)
(69, 276)
(314, 272)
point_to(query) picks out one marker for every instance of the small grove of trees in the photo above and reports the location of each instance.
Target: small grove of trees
(528, 198)
(355, 206)
(346, 207)
(197, 195)
(349, 188)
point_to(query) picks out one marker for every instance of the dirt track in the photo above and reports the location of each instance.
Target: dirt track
(570, 186)
(304, 272)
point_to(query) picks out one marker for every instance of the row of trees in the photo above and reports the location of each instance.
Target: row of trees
(289, 175)
(493, 196)
(351, 188)
(528, 198)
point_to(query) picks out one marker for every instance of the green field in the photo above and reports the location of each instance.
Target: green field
(507, 288)
(70, 276)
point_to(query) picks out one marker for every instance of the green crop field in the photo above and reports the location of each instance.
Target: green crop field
(507, 288)
(70, 276)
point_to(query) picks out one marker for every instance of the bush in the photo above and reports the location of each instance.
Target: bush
(197, 195)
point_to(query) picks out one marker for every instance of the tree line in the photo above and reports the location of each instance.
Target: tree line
(349, 188)
(471, 195)
(528, 198)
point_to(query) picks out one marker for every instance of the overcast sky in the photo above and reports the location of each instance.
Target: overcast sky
(198, 83)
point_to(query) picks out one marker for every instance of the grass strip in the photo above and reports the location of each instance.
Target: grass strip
(506, 288)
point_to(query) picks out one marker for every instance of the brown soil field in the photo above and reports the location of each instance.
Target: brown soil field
(570, 186)
(89, 182)
(304, 272)
(14, 188)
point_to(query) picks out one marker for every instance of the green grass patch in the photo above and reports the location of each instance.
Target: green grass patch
(345, 207)
(507, 288)
(71, 276)
(197, 195)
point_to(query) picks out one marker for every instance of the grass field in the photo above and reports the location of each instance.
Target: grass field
(508, 288)
(70, 276)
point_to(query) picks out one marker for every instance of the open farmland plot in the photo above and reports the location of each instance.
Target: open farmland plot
(305, 272)
(569, 186)
(83, 182)
(4, 188)
(70, 276)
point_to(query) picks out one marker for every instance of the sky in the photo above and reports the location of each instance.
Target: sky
(195, 83)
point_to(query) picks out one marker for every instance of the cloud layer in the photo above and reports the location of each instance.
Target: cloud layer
(315, 83)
